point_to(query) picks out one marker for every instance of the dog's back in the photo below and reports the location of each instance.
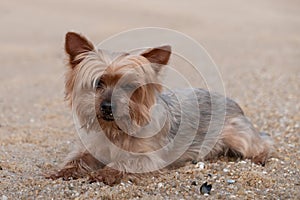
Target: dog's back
(216, 127)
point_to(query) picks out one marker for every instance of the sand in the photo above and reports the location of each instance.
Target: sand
(255, 44)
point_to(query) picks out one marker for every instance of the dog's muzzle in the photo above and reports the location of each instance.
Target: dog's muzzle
(106, 111)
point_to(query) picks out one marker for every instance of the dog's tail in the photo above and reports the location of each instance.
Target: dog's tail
(269, 142)
(240, 136)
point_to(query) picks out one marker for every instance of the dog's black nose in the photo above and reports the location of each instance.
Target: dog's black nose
(106, 110)
(106, 106)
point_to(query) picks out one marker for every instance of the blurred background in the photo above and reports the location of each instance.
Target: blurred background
(251, 42)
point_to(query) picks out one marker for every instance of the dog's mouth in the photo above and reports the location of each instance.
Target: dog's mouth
(108, 117)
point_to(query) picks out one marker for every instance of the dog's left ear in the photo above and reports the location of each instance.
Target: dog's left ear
(76, 44)
(158, 55)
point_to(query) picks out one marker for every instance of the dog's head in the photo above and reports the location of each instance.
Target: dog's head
(112, 87)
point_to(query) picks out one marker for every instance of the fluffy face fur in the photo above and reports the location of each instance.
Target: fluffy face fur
(113, 98)
(126, 83)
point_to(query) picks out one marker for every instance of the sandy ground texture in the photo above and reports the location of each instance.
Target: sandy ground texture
(256, 45)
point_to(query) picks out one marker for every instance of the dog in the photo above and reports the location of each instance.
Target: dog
(128, 124)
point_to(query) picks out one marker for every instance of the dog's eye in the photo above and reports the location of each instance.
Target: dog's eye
(98, 83)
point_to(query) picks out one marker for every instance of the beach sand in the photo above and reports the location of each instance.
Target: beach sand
(255, 44)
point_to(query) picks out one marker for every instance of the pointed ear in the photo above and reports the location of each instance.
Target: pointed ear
(76, 44)
(158, 55)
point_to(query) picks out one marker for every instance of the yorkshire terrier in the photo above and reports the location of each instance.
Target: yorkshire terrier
(128, 125)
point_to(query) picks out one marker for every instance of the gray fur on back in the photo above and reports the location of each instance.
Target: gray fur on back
(194, 121)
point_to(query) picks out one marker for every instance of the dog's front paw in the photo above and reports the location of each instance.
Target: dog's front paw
(107, 175)
(66, 174)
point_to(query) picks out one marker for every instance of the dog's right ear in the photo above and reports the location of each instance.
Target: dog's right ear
(76, 44)
(158, 55)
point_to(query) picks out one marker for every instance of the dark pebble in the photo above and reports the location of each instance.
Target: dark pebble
(205, 188)
(194, 183)
(194, 162)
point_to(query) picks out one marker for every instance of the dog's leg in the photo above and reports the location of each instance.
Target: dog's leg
(240, 136)
(77, 166)
(132, 167)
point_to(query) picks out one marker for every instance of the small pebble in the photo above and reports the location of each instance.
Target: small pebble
(194, 183)
(200, 165)
(159, 185)
(225, 170)
(194, 162)
(205, 188)
(230, 181)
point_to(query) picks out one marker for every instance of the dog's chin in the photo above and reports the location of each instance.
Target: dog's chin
(121, 123)
(109, 118)
(105, 118)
